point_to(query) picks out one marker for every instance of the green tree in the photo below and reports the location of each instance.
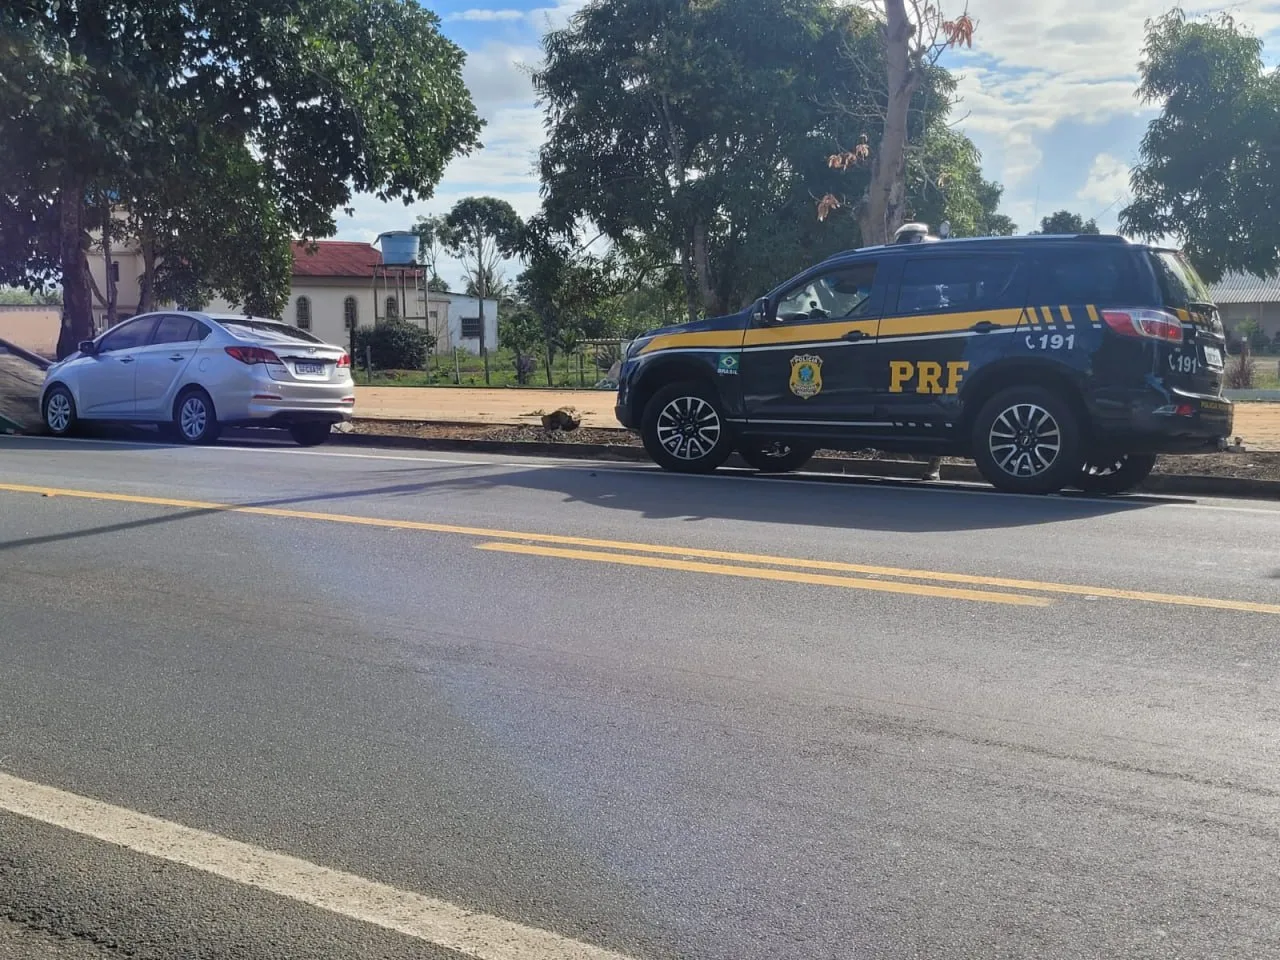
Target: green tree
(945, 183)
(274, 112)
(520, 331)
(1066, 222)
(431, 249)
(1208, 171)
(482, 232)
(437, 284)
(701, 133)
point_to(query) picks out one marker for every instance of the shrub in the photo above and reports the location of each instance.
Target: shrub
(395, 345)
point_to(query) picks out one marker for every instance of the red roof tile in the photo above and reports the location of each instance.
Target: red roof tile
(335, 258)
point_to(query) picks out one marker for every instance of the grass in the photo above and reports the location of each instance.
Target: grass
(469, 372)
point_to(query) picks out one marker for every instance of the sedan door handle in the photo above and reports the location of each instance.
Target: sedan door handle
(983, 326)
(178, 356)
(126, 359)
(853, 336)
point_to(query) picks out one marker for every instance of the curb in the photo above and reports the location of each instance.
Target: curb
(1184, 484)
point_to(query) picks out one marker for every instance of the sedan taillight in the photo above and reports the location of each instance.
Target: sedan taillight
(344, 361)
(252, 355)
(1145, 322)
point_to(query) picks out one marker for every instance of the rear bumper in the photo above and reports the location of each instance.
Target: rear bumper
(270, 413)
(1163, 421)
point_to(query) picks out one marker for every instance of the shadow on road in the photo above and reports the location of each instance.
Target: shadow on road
(844, 503)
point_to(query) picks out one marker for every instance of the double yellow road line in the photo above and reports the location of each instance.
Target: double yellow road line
(725, 563)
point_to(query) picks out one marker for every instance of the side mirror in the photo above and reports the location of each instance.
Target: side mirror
(761, 313)
(88, 348)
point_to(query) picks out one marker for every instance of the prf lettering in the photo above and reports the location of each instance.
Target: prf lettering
(928, 376)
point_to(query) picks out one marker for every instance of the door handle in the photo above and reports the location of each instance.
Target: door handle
(126, 359)
(983, 326)
(853, 336)
(178, 356)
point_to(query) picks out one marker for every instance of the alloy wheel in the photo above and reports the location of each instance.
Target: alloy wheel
(58, 412)
(688, 428)
(193, 417)
(1025, 440)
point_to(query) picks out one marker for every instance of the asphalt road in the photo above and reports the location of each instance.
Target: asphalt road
(384, 704)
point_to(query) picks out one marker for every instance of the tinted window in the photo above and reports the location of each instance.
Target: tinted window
(174, 329)
(1179, 281)
(936, 284)
(1091, 276)
(133, 333)
(842, 294)
(268, 330)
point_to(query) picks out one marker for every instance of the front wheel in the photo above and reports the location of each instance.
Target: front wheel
(684, 429)
(1027, 440)
(60, 411)
(1115, 473)
(776, 457)
(309, 434)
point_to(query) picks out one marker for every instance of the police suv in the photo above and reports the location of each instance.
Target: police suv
(1052, 361)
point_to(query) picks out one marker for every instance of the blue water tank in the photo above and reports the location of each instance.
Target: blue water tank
(399, 247)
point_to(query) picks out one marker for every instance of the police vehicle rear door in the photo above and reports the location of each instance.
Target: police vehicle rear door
(952, 313)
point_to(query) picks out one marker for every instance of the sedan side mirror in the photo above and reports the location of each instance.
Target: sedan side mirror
(88, 348)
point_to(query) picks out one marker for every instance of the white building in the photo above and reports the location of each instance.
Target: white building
(338, 285)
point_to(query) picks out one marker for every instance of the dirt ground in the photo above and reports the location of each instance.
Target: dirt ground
(1258, 424)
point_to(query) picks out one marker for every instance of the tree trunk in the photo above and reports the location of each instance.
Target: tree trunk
(147, 284)
(112, 287)
(690, 280)
(884, 208)
(702, 268)
(77, 298)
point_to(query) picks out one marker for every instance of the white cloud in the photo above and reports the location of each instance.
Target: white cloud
(1108, 182)
(485, 16)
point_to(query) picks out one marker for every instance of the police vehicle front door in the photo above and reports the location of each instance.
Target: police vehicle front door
(804, 366)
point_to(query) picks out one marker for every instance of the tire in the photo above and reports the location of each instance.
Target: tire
(310, 434)
(1112, 474)
(1027, 440)
(195, 420)
(60, 412)
(684, 429)
(777, 457)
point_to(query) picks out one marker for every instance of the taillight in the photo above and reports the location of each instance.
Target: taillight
(1143, 322)
(252, 355)
(344, 361)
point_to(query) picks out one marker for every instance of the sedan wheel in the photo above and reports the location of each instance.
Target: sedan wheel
(60, 411)
(195, 418)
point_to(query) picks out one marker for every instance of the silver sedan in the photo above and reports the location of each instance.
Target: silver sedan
(194, 373)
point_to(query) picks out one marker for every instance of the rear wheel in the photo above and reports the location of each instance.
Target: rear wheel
(1117, 473)
(194, 417)
(684, 428)
(781, 456)
(309, 434)
(1027, 440)
(60, 411)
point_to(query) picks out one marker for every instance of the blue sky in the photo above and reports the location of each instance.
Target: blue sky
(1048, 97)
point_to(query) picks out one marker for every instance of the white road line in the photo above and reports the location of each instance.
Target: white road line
(424, 918)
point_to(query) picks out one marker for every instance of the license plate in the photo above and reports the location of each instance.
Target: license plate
(306, 368)
(1213, 357)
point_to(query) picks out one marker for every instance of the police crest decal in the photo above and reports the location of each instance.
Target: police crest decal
(806, 375)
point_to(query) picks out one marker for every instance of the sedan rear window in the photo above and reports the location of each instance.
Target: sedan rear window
(268, 330)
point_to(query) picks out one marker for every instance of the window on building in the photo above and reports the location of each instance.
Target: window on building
(350, 314)
(470, 328)
(302, 313)
(393, 308)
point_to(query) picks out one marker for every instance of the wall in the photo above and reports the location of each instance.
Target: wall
(1267, 315)
(464, 306)
(32, 328)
